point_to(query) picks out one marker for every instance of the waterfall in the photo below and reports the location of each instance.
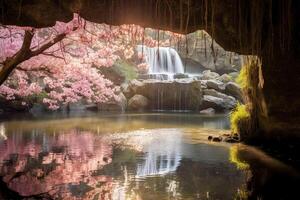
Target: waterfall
(162, 60)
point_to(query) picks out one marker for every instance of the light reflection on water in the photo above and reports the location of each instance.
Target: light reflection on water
(117, 157)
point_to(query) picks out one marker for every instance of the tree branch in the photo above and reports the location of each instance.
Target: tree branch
(26, 53)
(23, 54)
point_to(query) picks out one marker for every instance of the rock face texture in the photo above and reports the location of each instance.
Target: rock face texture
(269, 29)
(167, 95)
(200, 48)
(138, 102)
(192, 94)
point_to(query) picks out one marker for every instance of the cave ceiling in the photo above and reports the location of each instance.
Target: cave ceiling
(235, 24)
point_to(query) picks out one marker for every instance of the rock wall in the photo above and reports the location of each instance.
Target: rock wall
(195, 94)
(200, 48)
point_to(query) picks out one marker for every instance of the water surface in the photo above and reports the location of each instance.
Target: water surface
(129, 156)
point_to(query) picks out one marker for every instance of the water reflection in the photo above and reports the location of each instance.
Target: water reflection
(162, 155)
(83, 159)
(36, 164)
(267, 177)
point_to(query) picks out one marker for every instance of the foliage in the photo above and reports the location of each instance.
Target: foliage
(234, 158)
(238, 116)
(68, 69)
(242, 79)
(126, 69)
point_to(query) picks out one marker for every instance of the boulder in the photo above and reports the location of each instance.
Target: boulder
(225, 78)
(230, 101)
(119, 103)
(233, 75)
(138, 102)
(233, 89)
(180, 94)
(130, 89)
(216, 103)
(208, 111)
(208, 75)
(216, 85)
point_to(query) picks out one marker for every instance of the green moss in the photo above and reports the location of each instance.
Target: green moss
(234, 158)
(126, 69)
(238, 117)
(242, 78)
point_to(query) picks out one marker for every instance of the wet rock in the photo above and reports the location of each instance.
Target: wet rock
(138, 102)
(216, 85)
(217, 139)
(180, 94)
(216, 103)
(229, 101)
(231, 140)
(225, 78)
(233, 75)
(233, 89)
(209, 75)
(180, 76)
(153, 76)
(130, 89)
(208, 111)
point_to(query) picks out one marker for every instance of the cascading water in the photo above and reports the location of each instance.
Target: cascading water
(162, 60)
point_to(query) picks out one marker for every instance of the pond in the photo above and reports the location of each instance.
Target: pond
(127, 156)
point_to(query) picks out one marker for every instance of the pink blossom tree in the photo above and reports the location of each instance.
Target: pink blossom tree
(61, 64)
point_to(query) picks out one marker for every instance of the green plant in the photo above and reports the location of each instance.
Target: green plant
(126, 68)
(242, 78)
(239, 118)
(234, 158)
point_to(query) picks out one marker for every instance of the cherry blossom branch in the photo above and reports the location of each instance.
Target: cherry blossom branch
(26, 53)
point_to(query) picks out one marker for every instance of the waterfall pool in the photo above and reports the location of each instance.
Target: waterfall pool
(127, 156)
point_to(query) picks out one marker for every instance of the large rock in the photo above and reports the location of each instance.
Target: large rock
(216, 85)
(138, 102)
(229, 101)
(208, 75)
(216, 103)
(225, 78)
(233, 89)
(119, 103)
(182, 94)
(130, 89)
